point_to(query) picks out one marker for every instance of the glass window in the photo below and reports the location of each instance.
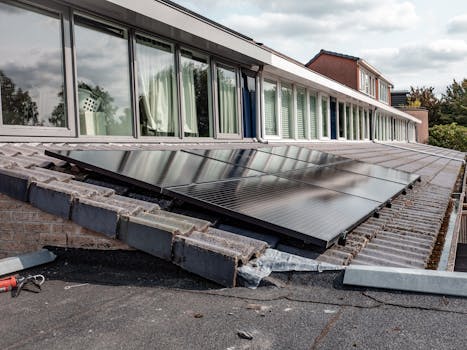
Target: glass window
(324, 116)
(341, 120)
(157, 89)
(355, 123)
(301, 113)
(287, 111)
(313, 117)
(227, 100)
(270, 108)
(102, 65)
(31, 68)
(361, 120)
(347, 120)
(195, 94)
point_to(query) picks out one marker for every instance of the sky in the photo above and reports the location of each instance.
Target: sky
(412, 43)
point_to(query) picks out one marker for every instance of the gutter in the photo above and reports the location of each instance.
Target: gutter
(259, 106)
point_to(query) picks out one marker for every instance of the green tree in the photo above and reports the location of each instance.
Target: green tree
(425, 97)
(454, 104)
(449, 136)
(18, 108)
(57, 118)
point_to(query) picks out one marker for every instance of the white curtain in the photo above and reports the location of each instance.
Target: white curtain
(189, 98)
(156, 78)
(226, 86)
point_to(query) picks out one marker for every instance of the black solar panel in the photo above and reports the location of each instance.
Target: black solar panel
(156, 169)
(310, 213)
(303, 193)
(267, 163)
(332, 178)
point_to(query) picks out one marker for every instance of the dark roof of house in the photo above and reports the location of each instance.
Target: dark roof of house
(332, 53)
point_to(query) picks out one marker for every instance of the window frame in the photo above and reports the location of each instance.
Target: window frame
(322, 95)
(344, 118)
(306, 126)
(62, 13)
(315, 94)
(271, 80)
(215, 99)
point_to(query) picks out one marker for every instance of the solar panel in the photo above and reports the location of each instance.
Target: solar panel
(305, 154)
(155, 169)
(332, 178)
(302, 193)
(267, 163)
(309, 213)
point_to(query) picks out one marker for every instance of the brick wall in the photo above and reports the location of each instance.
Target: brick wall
(24, 228)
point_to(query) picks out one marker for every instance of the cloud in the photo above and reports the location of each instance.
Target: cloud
(417, 57)
(458, 24)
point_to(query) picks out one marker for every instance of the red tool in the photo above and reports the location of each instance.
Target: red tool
(17, 283)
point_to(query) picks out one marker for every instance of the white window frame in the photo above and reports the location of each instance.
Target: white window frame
(271, 80)
(295, 112)
(314, 93)
(320, 118)
(338, 101)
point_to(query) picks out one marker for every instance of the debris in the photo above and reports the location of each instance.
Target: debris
(198, 315)
(17, 283)
(257, 307)
(25, 261)
(244, 335)
(75, 285)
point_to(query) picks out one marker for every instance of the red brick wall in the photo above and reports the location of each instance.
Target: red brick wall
(338, 68)
(422, 129)
(24, 228)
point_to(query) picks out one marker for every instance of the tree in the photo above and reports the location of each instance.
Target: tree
(425, 97)
(17, 106)
(454, 104)
(449, 136)
(57, 118)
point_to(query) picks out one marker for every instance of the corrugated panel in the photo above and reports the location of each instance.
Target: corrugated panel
(305, 154)
(312, 214)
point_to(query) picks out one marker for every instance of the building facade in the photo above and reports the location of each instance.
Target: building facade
(152, 71)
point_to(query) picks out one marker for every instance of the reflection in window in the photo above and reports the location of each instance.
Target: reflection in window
(157, 98)
(324, 117)
(341, 120)
(31, 70)
(227, 100)
(103, 79)
(195, 93)
(270, 108)
(301, 113)
(313, 118)
(287, 111)
(347, 120)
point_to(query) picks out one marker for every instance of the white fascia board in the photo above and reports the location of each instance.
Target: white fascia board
(187, 22)
(303, 75)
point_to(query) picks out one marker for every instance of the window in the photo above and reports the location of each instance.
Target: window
(313, 117)
(324, 116)
(196, 94)
(301, 113)
(287, 111)
(355, 122)
(31, 70)
(270, 107)
(103, 78)
(348, 122)
(227, 100)
(157, 88)
(383, 92)
(367, 82)
(361, 120)
(341, 120)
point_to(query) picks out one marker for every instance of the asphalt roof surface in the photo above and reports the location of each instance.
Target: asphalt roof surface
(130, 300)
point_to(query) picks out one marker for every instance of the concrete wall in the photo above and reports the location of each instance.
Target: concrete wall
(422, 115)
(340, 69)
(24, 228)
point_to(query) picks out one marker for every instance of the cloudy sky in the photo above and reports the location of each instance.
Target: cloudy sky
(413, 43)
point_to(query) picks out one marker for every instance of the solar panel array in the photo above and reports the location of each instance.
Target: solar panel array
(295, 191)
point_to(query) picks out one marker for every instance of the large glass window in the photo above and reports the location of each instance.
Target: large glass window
(157, 88)
(195, 94)
(102, 65)
(270, 107)
(355, 122)
(341, 120)
(287, 111)
(31, 69)
(362, 124)
(313, 117)
(324, 116)
(301, 113)
(347, 120)
(227, 100)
